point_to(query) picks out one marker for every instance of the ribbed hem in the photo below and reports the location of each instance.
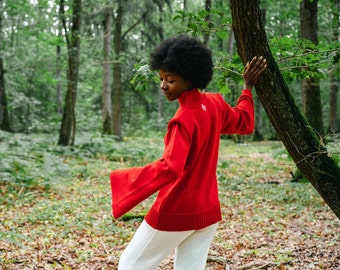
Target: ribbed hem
(183, 221)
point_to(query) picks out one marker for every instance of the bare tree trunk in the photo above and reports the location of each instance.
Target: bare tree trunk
(68, 125)
(58, 77)
(106, 97)
(117, 84)
(302, 143)
(334, 82)
(185, 4)
(4, 118)
(311, 96)
(258, 131)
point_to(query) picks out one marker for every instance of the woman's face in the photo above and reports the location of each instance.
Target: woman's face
(173, 85)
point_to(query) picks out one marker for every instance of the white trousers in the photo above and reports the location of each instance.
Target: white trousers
(149, 247)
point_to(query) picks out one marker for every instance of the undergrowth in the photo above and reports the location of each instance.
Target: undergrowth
(35, 162)
(56, 200)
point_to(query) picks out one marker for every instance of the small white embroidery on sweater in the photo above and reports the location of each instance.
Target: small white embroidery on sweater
(204, 108)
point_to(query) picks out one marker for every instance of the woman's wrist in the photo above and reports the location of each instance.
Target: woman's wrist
(248, 86)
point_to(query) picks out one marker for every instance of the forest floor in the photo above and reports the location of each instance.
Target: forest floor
(268, 221)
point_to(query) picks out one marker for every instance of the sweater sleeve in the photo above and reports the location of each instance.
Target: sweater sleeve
(133, 185)
(240, 119)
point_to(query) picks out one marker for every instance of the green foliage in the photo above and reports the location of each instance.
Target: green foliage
(198, 25)
(302, 59)
(142, 76)
(31, 34)
(29, 161)
(36, 162)
(228, 72)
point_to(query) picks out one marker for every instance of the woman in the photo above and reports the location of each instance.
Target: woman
(186, 212)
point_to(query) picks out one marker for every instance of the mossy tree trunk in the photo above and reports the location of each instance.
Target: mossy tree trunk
(310, 156)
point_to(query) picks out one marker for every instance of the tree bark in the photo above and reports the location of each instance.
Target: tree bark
(311, 96)
(68, 125)
(106, 97)
(58, 78)
(258, 130)
(117, 81)
(4, 117)
(310, 156)
(334, 82)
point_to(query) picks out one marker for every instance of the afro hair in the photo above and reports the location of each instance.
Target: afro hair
(185, 56)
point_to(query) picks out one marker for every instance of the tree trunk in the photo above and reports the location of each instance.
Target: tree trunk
(58, 78)
(258, 131)
(302, 143)
(4, 118)
(106, 97)
(311, 96)
(334, 82)
(117, 84)
(68, 125)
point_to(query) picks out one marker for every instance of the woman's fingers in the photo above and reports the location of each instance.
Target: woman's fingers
(253, 69)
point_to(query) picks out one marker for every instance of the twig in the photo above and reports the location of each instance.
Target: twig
(300, 229)
(258, 265)
(305, 54)
(218, 260)
(302, 249)
(229, 70)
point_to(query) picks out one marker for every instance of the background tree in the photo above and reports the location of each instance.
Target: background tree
(4, 119)
(36, 79)
(334, 82)
(119, 39)
(106, 97)
(117, 84)
(302, 143)
(311, 97)
(68, 124)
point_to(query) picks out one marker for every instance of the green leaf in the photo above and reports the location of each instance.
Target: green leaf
(222, 34)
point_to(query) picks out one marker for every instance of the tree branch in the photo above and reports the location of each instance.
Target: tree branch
(305, 54)
(134, 25)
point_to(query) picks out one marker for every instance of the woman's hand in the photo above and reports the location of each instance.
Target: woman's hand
(252, 71)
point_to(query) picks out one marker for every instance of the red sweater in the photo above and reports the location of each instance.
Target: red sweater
(185, 177)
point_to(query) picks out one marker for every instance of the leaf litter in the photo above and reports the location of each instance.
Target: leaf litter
(268, 221)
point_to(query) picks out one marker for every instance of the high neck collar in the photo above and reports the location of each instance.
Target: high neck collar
(189, 97)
